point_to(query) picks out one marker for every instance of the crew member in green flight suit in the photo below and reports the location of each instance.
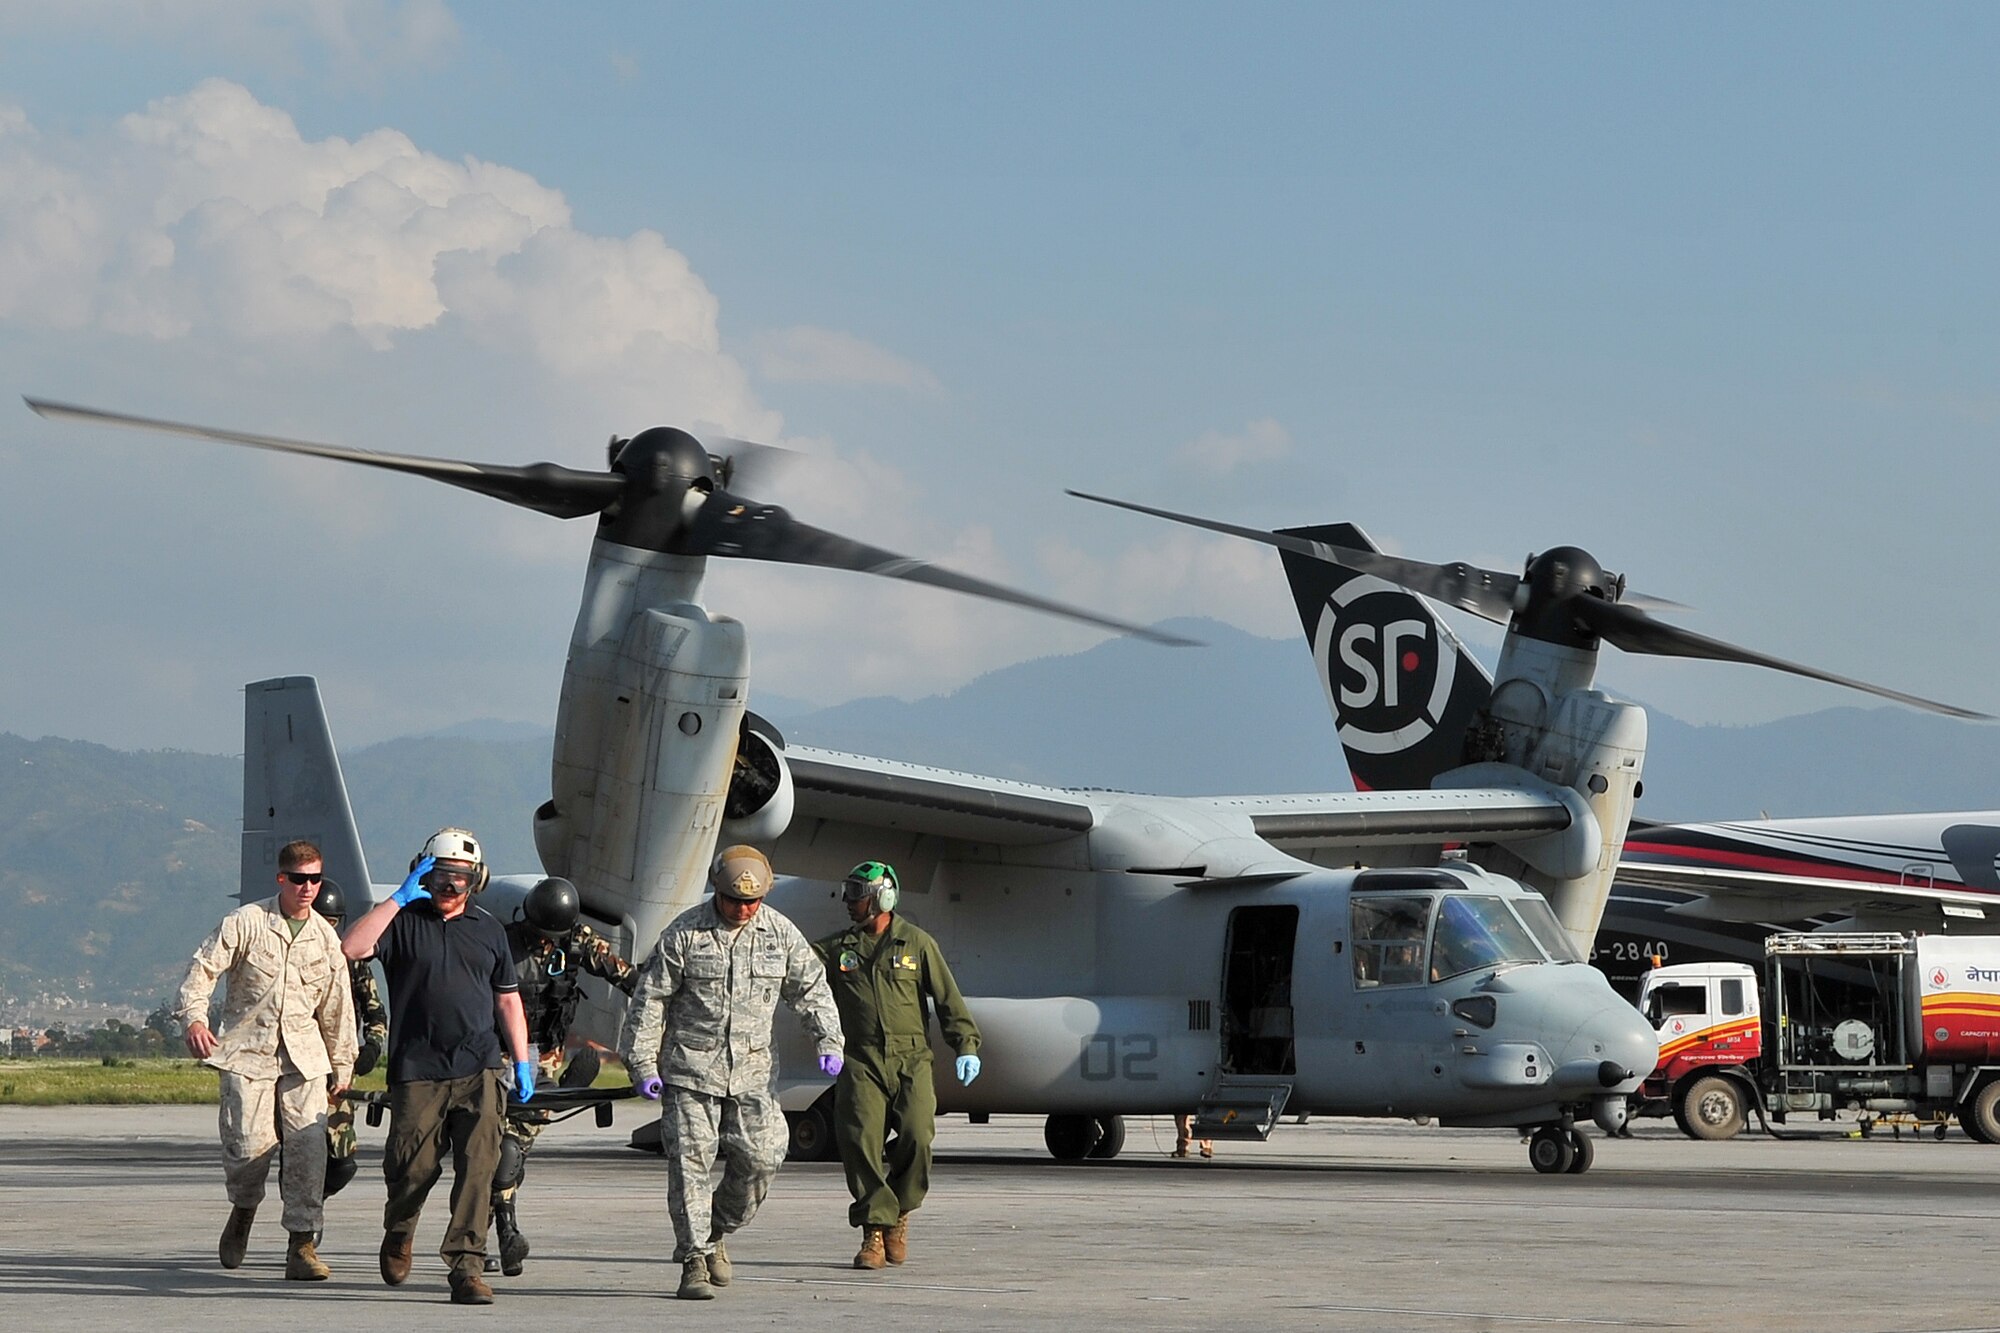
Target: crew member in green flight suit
(882, 969)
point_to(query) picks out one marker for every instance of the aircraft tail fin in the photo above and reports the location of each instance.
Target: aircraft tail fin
(1403, 689)
(292, 788)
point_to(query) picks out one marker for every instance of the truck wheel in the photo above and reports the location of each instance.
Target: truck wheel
(1980, 1116)
(1550, 1150)
(1713, 1108)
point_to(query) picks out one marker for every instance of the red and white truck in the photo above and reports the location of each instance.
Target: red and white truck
(1879, 1024)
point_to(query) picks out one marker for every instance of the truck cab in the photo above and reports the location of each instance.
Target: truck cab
(1710, 1026)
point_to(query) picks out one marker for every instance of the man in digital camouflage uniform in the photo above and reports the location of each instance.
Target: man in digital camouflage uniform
(883, 970)
(704, 1002)
(373, 1020)
(551, 947)
(286, 1042)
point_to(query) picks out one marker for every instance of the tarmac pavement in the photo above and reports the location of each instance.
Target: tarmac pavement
(109, 1216)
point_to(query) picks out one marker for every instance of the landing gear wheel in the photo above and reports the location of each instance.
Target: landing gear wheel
(1110, 1137)
(1071, 1137)
(811, 1133)
(1980, 1116)
(1713, 1108)
(1583, 1153)
(1550, 1150)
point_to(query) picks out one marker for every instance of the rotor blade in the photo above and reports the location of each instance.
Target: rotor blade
(748, 465)
(1483, 592)
(1636, 632)
(729, 525)
(547, 488)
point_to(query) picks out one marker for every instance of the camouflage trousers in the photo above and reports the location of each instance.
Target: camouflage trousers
(256, 1116)
(748, 1132)
(340, 1139)
(517, 1139)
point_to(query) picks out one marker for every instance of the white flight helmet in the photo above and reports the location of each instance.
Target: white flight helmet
(457, 844)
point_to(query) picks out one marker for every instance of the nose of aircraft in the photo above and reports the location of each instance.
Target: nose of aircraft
(1612, 1034)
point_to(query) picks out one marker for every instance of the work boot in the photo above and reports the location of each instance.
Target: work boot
(235, 1236)
(513, 1245)
(896, 1240)
(396, 1258)
(720, 1270)
(302, 1261)
(470, 1289)
(871, 1255)
(694, 1279)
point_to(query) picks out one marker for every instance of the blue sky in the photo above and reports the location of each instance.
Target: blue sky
(1707, 289)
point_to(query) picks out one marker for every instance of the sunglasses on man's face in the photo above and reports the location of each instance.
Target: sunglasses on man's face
(302, 880)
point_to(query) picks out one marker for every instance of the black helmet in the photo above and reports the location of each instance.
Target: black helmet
(552, 907)
(330, 902)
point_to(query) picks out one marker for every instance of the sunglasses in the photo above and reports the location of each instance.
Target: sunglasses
(302, 880)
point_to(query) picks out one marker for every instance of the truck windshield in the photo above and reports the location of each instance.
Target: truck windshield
(1475, 932)
(1548, 931)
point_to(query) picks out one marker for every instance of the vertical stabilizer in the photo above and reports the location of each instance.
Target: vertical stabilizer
(292, 788)
(1403, 689)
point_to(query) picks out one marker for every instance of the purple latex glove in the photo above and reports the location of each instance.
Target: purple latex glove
(830, 1065)
(651, 1087)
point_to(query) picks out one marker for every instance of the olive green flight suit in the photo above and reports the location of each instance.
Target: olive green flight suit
(880, 983)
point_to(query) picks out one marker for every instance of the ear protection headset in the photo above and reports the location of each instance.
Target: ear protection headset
(872, 879)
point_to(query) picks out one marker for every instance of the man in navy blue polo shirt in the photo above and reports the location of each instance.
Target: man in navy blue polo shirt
(450, 974)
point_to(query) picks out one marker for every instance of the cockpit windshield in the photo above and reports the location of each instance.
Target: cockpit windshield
(1388, 931)
(1547, 930)
(1475, 932)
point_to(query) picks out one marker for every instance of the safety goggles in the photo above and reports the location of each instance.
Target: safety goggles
(443, 879)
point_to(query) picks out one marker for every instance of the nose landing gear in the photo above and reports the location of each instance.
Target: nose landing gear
(1556, 1150)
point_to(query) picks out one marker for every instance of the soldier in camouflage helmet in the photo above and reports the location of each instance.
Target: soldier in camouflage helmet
(697, 1039)
(551, 948)
(373, 1020)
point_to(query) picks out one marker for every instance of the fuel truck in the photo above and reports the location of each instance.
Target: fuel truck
(1875, 1024)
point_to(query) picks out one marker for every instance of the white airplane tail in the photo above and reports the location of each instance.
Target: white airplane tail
(292, 788)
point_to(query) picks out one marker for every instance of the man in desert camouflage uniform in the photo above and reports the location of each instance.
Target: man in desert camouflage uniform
(708, 992)
(286, 1042)
(551, 945)
(373, 1019)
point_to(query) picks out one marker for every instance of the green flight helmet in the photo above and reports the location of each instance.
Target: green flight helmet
(872, 879)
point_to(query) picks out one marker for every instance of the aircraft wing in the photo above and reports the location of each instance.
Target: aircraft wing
(1908, 871)
(1726, 894)
(849, 808)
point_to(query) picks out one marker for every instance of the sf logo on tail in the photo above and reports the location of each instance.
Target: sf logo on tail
(1385, 672)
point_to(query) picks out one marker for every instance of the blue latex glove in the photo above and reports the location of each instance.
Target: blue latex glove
(968, 1069)
(413, 886)
(830, 1065)
(524, 1080)
(651, 1087)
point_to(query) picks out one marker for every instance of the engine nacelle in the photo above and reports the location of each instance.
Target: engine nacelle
(759, 805)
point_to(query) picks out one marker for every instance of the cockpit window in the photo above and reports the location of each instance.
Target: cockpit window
(1475, 932)
(1388, 930)
(1548, 931)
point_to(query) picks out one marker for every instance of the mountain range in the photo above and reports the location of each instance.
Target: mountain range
(113, 864)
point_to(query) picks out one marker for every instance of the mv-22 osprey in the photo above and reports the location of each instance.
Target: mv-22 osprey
(1124, 954)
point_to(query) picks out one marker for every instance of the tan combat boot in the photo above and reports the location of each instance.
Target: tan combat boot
(302, 1261)
(720, 1270)
(896, 1240)
(871, 1255)
(694, 1279)
(235, 1237)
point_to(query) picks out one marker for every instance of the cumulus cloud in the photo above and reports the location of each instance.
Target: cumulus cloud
(807, 355)
(1218, 454)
